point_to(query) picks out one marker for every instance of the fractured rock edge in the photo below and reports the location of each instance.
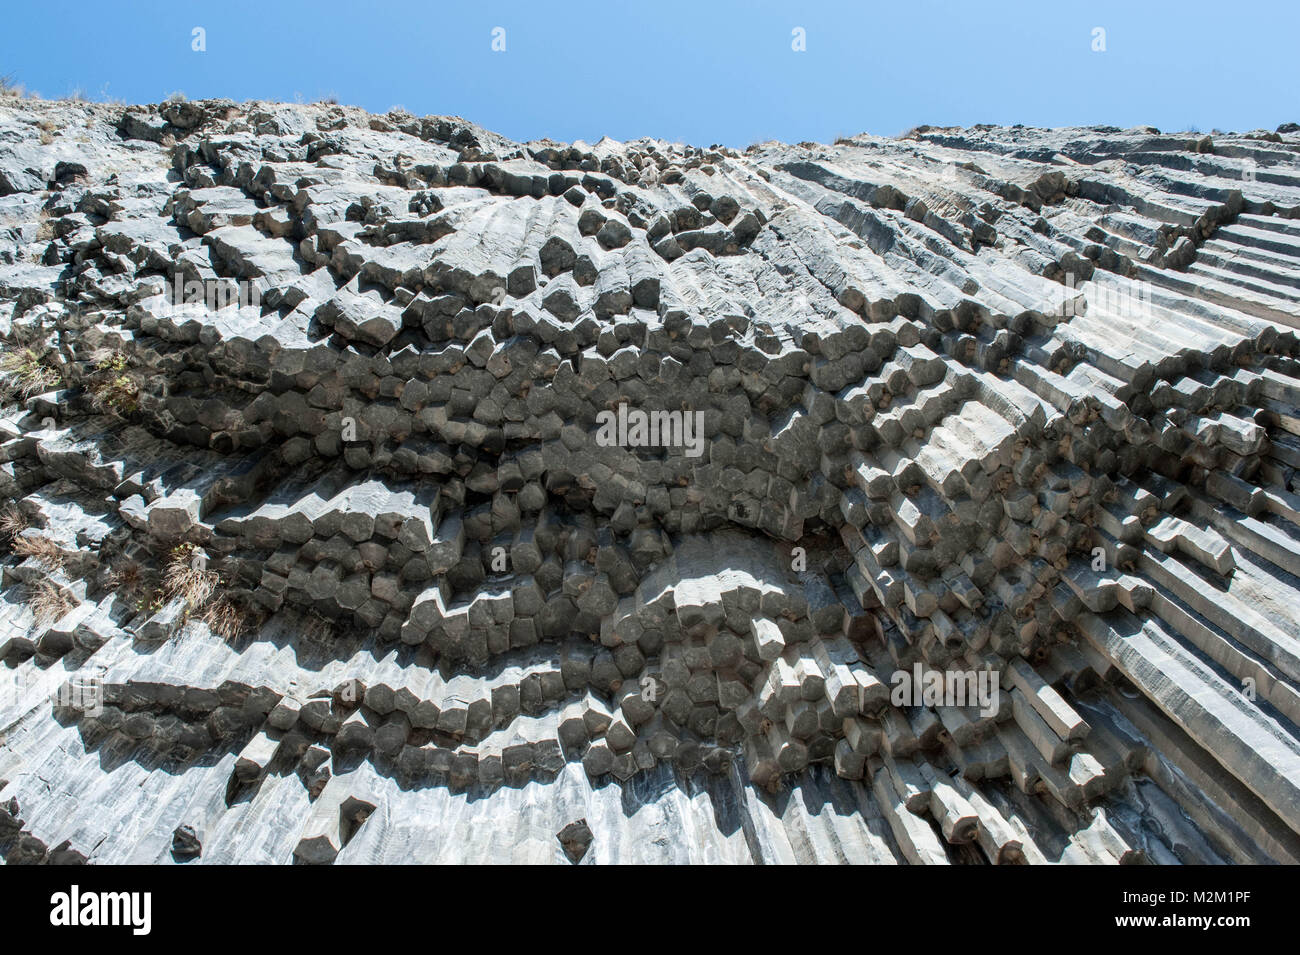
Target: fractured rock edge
(995, 399)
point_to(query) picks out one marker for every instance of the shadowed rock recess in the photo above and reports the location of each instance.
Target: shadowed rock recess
(316, 552)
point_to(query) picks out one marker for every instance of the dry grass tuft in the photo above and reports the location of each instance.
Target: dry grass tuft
(318, 629)
(41, 548)
(126, 576)
(225, 618)
(26, 371)
(187, 576)
(12, 522)
(49, 601)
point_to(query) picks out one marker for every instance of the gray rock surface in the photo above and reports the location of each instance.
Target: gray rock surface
(312, 543)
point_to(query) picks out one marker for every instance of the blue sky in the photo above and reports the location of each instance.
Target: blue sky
(701, 71)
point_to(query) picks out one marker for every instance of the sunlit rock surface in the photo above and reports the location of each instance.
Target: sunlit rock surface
(319, 549)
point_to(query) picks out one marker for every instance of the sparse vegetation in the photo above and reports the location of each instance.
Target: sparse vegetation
(317, 629)
(150, 602)
(28, 370)
(12, 523)
(112, 386)
(176, 97)
(187, 576)
(184, 576)
(126, 576)
(8, 86)
(225, 618)
(49, 601)
(137, 584)
(43, 549)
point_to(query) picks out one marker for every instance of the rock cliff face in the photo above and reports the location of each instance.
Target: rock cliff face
(382, 490)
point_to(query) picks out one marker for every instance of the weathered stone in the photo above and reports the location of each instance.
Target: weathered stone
(961, 466)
